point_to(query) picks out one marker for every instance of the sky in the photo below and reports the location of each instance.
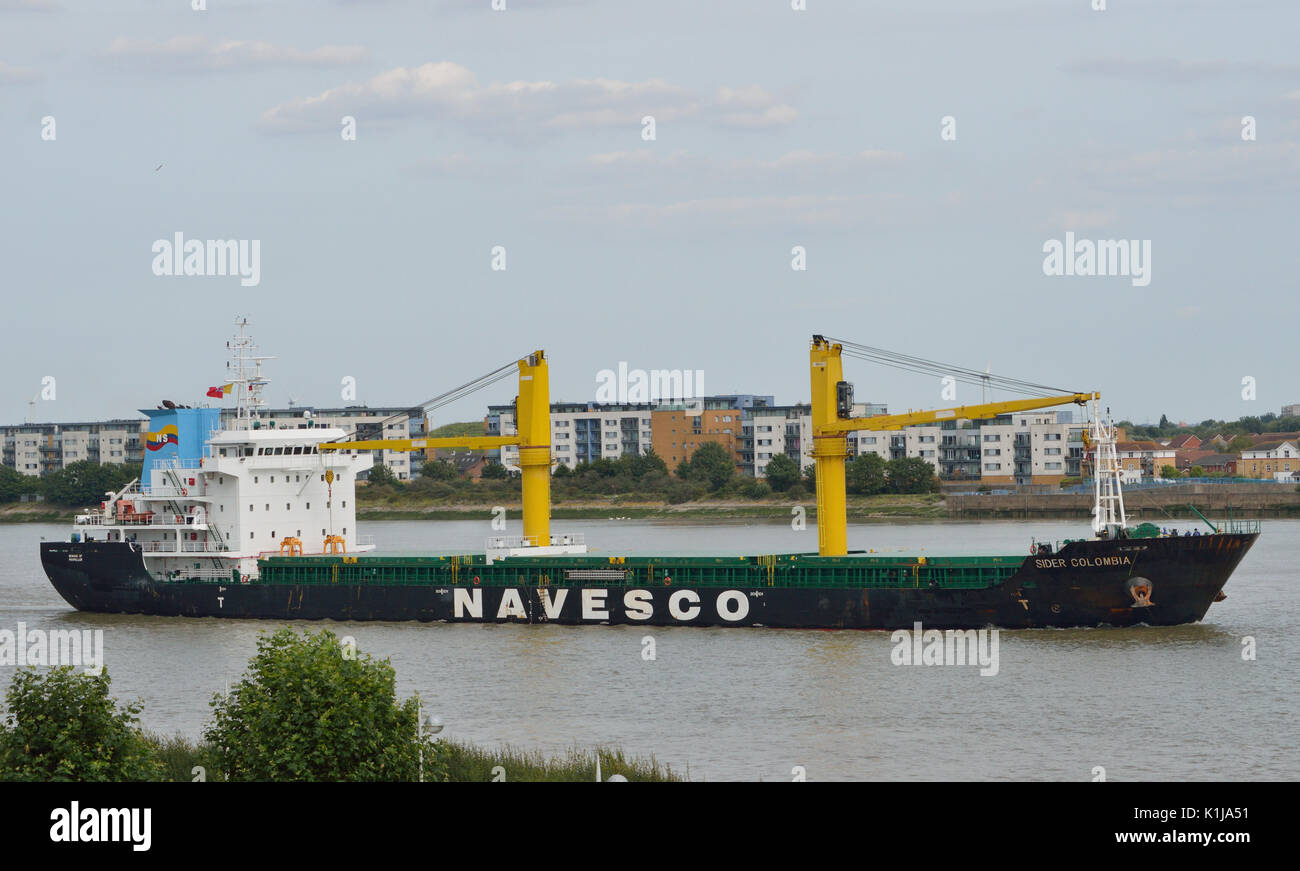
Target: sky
(920, 154)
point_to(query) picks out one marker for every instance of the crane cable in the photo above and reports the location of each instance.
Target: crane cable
(453, 395)
(923, 366)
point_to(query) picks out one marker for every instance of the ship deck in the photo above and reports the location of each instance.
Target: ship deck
(786, 570)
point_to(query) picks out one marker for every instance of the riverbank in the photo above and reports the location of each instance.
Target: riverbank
(1262, 500)
(460, 762)
(929, 506)
(1173, 501)
(36, 512)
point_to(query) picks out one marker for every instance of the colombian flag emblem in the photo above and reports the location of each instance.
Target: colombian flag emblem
(165, 436)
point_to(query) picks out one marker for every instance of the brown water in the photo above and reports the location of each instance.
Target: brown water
(1145, 703)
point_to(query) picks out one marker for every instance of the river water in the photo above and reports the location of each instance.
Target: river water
(1176, 703)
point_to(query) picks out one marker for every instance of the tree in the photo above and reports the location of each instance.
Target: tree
(381, 476)
(62, 725)
(782, 473)
(1169, 472)
(1197, 471)
(1240, 443)
(309, 708)
(710, 464)
(637, 466)
(1164, 422)
(911, 475)
(865, 474)
(438, 470)
(85, 481)
(14, 484)
(494, 471)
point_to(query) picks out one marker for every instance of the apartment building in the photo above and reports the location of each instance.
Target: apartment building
(1144, 459)
(770, 430)
(581, 431)
(42, 448)
(677, 433)
(1279, 460)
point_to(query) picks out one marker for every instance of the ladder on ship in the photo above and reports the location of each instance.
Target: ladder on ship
(178, 485)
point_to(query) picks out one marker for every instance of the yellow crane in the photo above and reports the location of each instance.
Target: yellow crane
(832, 420)
(533, 438)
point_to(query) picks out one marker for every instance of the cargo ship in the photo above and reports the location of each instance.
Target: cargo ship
(256, 520)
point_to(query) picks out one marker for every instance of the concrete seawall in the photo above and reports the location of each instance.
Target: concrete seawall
(1153, 504)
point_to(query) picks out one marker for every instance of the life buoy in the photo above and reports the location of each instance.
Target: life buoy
(185, 492)
(476, 580)
(668, 582)
(1033, 550)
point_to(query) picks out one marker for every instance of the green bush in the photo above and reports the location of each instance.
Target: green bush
(62, 725)
(307, 710)
(710, 465)
(682, 491)
(494, 471)
(865, 475)
(781, 473)
(438, 470)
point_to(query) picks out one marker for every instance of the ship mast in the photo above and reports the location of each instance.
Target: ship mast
(246, 376)
(1108, 517)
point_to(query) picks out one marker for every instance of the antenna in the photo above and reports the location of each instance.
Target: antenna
(248, 379)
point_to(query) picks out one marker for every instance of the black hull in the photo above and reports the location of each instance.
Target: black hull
(1162, 581)
(1157, 581)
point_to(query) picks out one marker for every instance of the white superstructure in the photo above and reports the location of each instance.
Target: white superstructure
(248, 489)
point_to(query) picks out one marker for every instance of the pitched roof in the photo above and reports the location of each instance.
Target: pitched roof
(1141, 446)
(1269, 446)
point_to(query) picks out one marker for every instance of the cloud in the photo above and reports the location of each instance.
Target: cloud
(831, 210)
(12, 75)
(447, 91)
(200, 54)
(1199, 175)
(792, 162)
(28, 6)
(1178, 71)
